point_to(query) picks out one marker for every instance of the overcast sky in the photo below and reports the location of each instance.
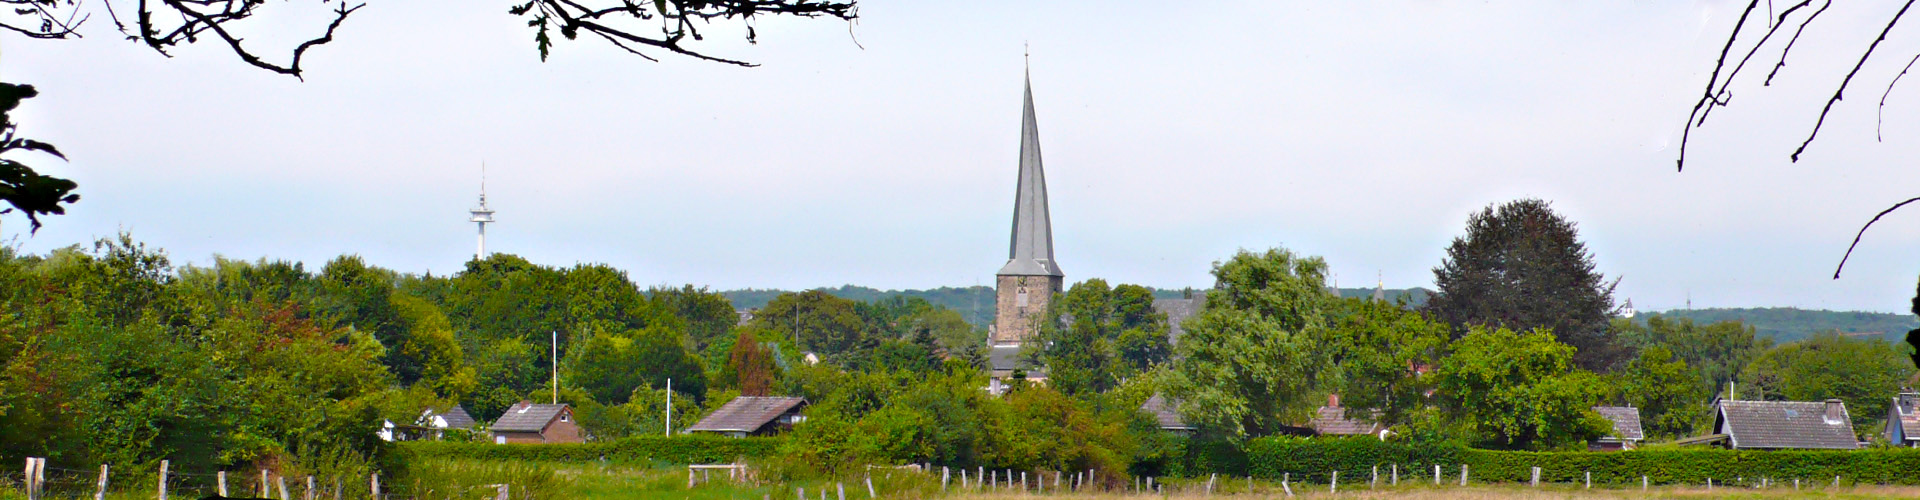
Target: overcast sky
(884, 154)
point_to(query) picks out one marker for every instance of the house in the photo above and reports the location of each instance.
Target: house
(1332, 420)
(532, 423)
(1903, 420)
(753, 416)
(1626, 434)
(1785, 425)
(1167, 414)
(1177, 311)
(1006, 363)
(435, 420)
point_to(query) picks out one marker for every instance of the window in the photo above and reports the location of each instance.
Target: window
(566, 417)
(499, 439)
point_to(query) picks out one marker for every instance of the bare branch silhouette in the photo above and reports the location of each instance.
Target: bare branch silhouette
(622, 21)
(1863, 232)
(1880, 115)
(1839, 92)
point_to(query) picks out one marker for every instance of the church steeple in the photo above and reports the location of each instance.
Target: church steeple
(1025, 286)
(1030, 253)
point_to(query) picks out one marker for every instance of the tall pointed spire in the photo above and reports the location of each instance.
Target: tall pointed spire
(1031, 251)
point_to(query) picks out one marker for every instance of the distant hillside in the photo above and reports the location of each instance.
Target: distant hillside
(1787, 324)
(975, 303)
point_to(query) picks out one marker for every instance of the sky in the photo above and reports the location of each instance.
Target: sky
(883, 153)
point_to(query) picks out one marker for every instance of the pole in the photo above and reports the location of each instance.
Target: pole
(265, 492)
(163, 479)
(375, 479)
(556, 367)
(669, 407)
(1463, 474)
(1536, 477)
(101, 492)
(221, 482)
(309, 488)
(282, 481)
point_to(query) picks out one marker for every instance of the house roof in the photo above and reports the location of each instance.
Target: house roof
(1786, 424)
(1626, 422)
(1165, 413)
(526, 417)
(1907, 406)
(747, 414)
(1332, 420)
(1005, 357)
(457, 417)
(1177, 311)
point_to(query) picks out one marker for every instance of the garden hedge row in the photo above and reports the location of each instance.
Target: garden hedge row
(1315, 459)
(652, 449)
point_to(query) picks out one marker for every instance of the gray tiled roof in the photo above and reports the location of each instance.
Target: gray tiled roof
(747, 414)
(1031, 251)
(1177, 311)
(1626, 422)
(1005, 358)
(1168, 415)
(528, 417)
(1907, 406)
(457, 417)
(1332, 421)
(1785, 424)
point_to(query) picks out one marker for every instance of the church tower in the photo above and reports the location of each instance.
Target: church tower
(1026, 285)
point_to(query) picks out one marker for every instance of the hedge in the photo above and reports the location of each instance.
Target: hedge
(1315, 459)
(651, 449)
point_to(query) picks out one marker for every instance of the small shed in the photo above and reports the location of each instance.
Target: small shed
(1166, 414)
(1627, 433)
(753, 416)
(535, 423)
(1785, 425)
(1903, 420)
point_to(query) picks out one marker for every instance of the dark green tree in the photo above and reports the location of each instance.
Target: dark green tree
(1521, 266)
(824, 324)
(1861, 372)
(709, 315)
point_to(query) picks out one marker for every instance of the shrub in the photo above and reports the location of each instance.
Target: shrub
(651, 449)
(1315, 458)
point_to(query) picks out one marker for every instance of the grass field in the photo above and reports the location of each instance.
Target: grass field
(470, 479)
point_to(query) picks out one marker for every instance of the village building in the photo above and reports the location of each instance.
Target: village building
(1778, 425)
(536, 423)
(1332, 420)
(1166, 414)
(753, 416)
(1025, 285)
(1903, 420)
(1627, 433)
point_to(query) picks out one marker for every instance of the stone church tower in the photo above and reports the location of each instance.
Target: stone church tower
(1027, 283)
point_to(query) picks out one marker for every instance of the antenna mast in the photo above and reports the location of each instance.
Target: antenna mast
(482, 215)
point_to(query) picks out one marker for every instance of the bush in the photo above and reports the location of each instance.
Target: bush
(1314, 459)
(651, 449)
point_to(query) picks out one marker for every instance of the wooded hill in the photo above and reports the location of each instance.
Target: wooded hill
(975, 303)
(1788, 324)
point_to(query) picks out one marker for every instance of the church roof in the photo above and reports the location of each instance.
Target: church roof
(1031, 251)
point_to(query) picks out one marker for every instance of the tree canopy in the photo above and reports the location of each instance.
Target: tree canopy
(1522, 266)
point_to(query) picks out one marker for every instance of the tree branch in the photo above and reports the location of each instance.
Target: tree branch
(1879, 115)
(1863, 232)
(1840, 92)
(1707, 96)
(1796, 38)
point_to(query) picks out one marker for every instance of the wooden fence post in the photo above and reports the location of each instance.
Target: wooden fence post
(500, 491)
(100, 493)
(220, 482)
(266, 491)
(27, 479)
(1589, 480)
(1535, 482)
(336, 487)
(163, 479)
(282, 481)
(309, 488)
(1643, 483)
(1210, 479)
(800, 493)
(373, 482)
(1463, 474)
(1333, 486)
(1371, 483)
(944, 476)
(842, 489)
(1284, 478)
(872, 494)
(1396, 474)
(1436, 474)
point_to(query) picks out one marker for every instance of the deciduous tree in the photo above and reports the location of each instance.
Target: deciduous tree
(1249, 361)
(1521, 266)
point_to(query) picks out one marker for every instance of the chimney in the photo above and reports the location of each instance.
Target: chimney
(1836, 411)
(1333, 400)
